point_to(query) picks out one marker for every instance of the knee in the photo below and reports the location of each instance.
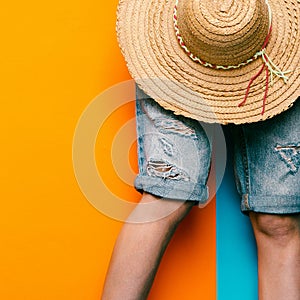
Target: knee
(279, 227)
(167, 211)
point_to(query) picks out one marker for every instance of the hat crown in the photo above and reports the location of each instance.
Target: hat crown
(223, 32)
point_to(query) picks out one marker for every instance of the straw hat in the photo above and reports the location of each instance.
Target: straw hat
(217, 61)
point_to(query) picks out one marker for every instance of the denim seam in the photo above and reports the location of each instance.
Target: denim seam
(200, 176)
(199, 192)
(140, 141)
(246, 167)
(285, 206)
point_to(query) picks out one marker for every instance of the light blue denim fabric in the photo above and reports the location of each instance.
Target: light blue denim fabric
(174, 155)
(267, 163)
(173, 152)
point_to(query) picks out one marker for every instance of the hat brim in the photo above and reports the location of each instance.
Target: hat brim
(163, 70)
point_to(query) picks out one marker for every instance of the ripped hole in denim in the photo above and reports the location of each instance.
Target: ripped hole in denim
(290, 155)
(174, 126)
(163, 169)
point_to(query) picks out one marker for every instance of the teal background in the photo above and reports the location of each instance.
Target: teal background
(236, 249)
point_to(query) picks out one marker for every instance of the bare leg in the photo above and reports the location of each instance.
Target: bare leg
(278, 243)
(138, 251)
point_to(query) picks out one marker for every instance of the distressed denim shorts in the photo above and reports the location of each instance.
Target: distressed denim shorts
(174, 154)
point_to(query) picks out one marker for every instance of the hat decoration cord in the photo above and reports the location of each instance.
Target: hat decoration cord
(268, 65)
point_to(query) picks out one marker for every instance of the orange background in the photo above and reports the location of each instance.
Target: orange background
(56, 57)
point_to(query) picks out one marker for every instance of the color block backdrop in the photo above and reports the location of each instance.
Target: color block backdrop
(56, 57)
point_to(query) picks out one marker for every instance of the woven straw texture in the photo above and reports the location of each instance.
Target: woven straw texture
(164, 71)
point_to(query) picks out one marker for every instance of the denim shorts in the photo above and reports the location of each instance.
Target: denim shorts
(174, 154)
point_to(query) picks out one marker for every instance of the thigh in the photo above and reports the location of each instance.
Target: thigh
(267, 163)
(173, 151)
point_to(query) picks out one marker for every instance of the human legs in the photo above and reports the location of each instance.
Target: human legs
(278, 244)
(267, 166)
(174, 160)
(138, 251)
